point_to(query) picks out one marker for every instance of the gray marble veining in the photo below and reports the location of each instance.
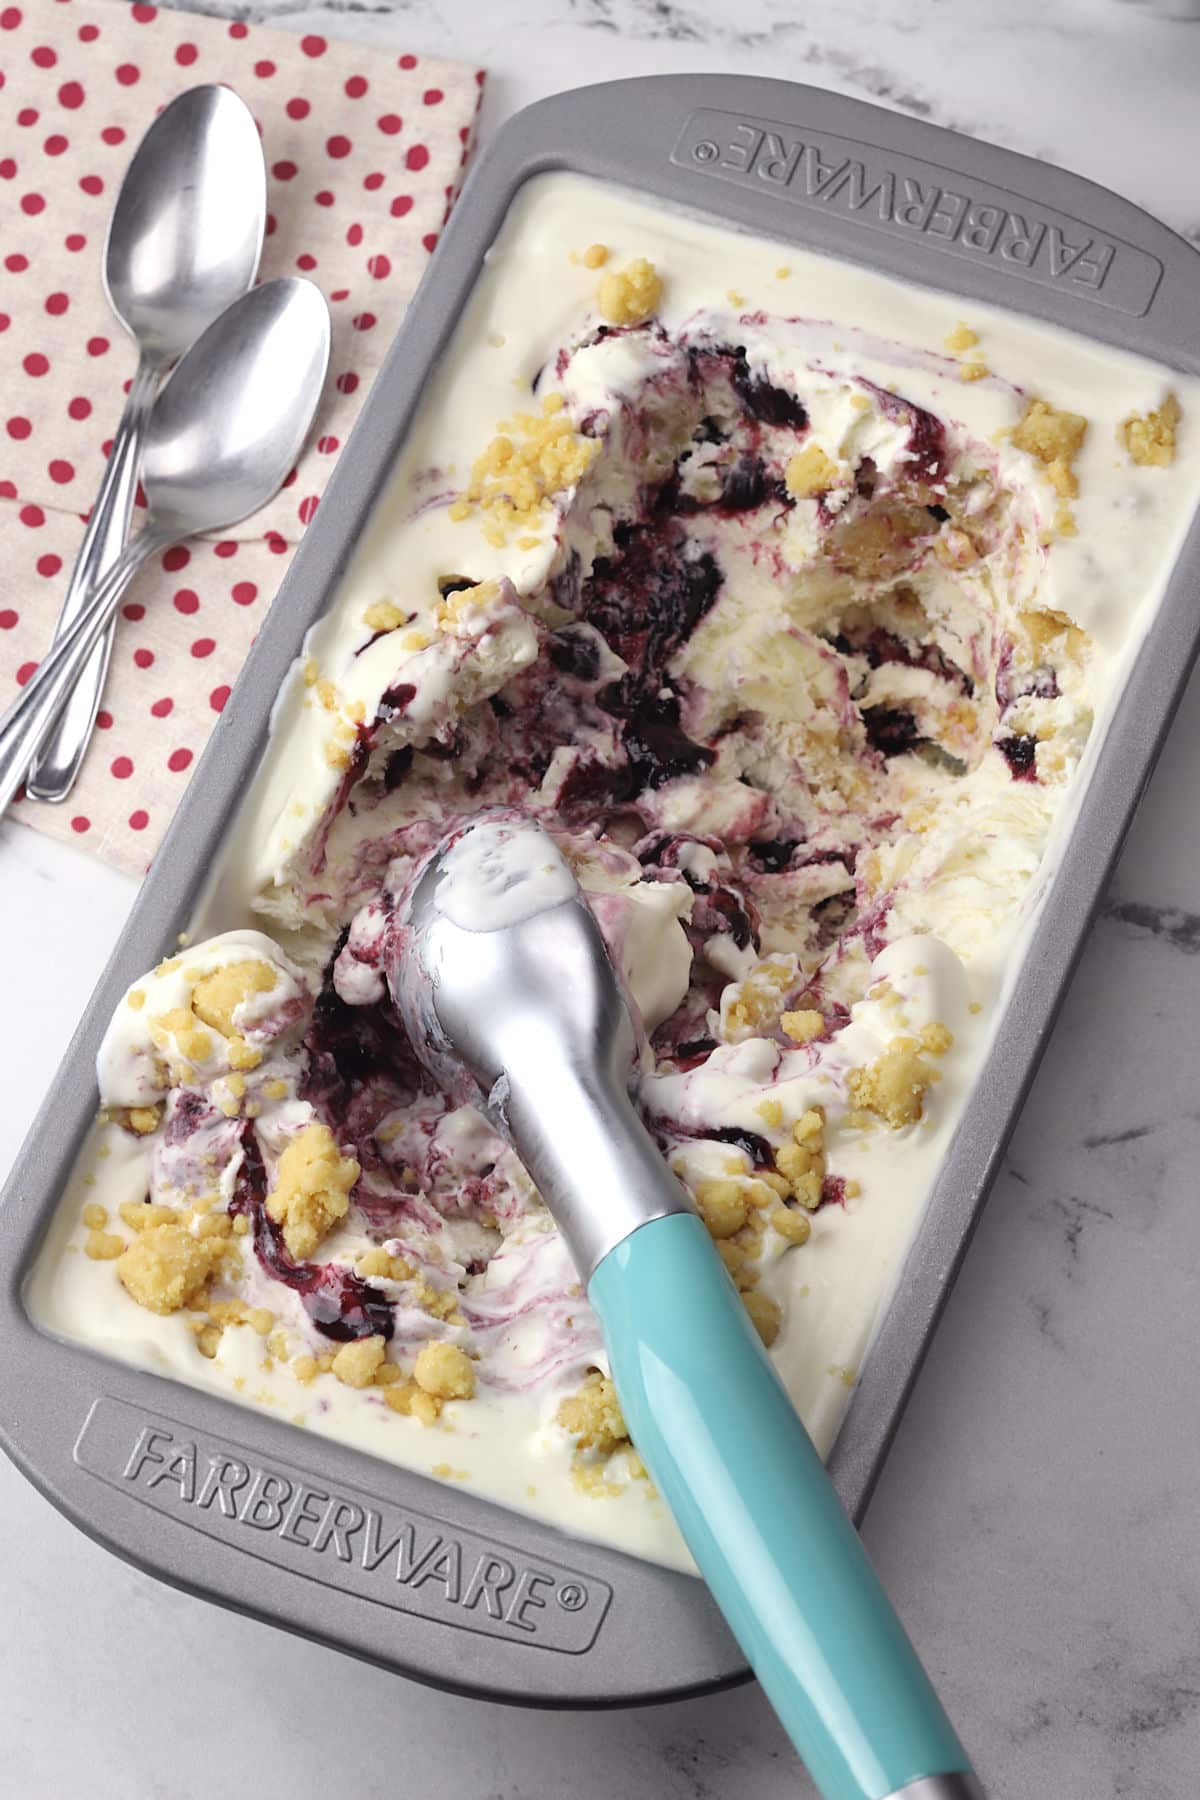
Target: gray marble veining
(1036, 1520)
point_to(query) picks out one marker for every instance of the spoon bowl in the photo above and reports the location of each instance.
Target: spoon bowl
(187, 229)
(231, 420)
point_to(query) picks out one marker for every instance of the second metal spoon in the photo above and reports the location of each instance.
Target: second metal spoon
(220, 441)
(183, 244)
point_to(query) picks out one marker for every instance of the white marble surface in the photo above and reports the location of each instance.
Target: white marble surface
(1036, 1521)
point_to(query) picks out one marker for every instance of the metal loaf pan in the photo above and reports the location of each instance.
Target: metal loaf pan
(354, 1552)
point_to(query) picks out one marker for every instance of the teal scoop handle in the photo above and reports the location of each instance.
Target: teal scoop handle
(719, 1435)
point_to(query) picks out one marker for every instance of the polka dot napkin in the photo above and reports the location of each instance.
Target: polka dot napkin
(365, 149)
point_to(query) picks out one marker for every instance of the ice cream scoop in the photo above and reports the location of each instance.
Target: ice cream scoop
(503, 983)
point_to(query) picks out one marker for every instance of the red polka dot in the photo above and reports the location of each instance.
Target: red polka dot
(305, 261)
(57, 304)
(417, 157)
(139, 820)
(356, 87)
(91, 184)
(275, 544)
(112, 134)
(227, 547)
(162, 708)
(134, 612)
(326, 446)
(20, 429)
(128, 74)
(176, 558)
(48, 565)
(70, 95)
(354, 236)
(8, 618)
(239, 29)
(79, 408)
(33, 516)
(121, 767)
(88, 34)
(244, 593)
(373, 180)
(363, 321)
(143, 658)
(289, 479)
(347, 383)
(407, 62)
(272, 225)
(97, 346)
(15, 263)
(144, 14)
(204, 646)
(104, 720)
(390, 124)
(284, 170)
(8, 490)
(323, 197)
(56, 143)
(379, 267)
(81, 823)
(43, 57)
(8, 168)
(339, 294)
(179, 759)
(400, 205)
(433, 96)
(338, 146)
(35, 363)
(298, 109)
(62, 471)
(313, 45)
(217, 698)
(264, 69)
(10, 18)
(32, 205)
(307, 508)
(186, 601)
(24, 672)
(430, 241)
(186, 54)
(75, 241)
(28, 115)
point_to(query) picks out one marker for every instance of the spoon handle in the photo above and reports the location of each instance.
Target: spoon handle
(40, 701)
(721, 1440)
(55, 766)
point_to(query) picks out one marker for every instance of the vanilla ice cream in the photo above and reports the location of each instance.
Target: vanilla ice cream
(791, 601)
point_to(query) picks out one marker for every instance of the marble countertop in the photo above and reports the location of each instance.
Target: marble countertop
(1036, 1520)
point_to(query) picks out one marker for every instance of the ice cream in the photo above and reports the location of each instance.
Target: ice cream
(791, 603)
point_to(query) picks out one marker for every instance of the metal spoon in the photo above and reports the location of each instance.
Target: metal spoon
(220, 441)
(183, 243)
(505, 989)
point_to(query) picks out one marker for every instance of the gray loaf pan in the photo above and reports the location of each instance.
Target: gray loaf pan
(389, 1565)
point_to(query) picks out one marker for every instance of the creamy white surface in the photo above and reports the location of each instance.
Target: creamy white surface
(528, 298)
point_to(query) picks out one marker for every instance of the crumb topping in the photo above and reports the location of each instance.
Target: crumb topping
(630, 295)
(1150, 437)
(894, 1086)
(532, 458)
(312, 1189)
(166, 1268)
(217, 997)
(811, 472)
(444, 1371)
